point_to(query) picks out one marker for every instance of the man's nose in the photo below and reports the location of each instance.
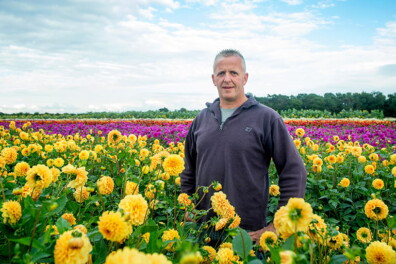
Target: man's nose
(227, 77)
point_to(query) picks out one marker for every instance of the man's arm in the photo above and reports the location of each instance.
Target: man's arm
(187, 177)
(288, 163)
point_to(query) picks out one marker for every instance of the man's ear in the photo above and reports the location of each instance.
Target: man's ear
(245, 78)
(213, 80)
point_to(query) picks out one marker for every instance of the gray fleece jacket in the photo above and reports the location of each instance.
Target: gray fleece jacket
(238, 156)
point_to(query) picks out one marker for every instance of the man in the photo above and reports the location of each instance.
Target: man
(233, 140)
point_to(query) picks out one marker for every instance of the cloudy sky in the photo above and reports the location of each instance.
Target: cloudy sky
(118, 55)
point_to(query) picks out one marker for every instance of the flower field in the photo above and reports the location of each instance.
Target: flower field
(105, 191)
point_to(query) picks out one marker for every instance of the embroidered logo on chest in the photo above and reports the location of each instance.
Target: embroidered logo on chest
(248, 129)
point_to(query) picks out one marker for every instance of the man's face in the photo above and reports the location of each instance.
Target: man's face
(230, 79)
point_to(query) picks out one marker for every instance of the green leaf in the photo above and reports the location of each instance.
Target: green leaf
(338, 259)
(255, 261)
(61, 204)
(289, 243)
(242, 243)
(62, 225)
(39, 255)
(26, 241)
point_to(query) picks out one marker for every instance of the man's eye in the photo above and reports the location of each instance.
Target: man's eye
(220, 73)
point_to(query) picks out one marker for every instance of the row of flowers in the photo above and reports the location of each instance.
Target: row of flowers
(116, 198)
(377, 133)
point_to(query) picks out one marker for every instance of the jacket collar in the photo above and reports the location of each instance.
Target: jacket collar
(215, 106)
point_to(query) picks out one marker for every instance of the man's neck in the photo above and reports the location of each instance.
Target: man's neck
(234, 104)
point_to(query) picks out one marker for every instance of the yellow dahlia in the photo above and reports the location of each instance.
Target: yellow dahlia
(295, 216)
(344, 182)
(221, 224)
(317, 161)
(84, 155)
(21, 169)
(39, 177)
(170, 234)
(369, 169)
(69, 218)
(81, 178)
(59, 162)
(221, 205)
(113, 227)
(362, 159)
(287, 257)
(69, 169)
(173, 164)
(184, 200)
(211, 254)
(10, 155)
(105, 185)
(81, 194)
(55, 174)
(335, 242)
(146, 237)
(53, 230)
(81, 228)
(317, 229)
(364, 235)
(274, 190)
(236, 222)
(131, 188)
(72, 247)
(378, 184)
(300, 132)
(137, 208)
(191, 258)
(226, 256)
(268, 238)
(380, 253)
(376, 209)
(373, 157)
(11, 212)
(114, 136)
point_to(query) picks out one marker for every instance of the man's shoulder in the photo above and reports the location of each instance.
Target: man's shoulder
(265, 111)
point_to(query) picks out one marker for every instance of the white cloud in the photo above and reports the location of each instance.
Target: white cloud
(292, 2)
(147, 13)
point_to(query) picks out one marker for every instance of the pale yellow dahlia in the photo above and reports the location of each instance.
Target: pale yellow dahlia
(136, 207)
(376, 209)
(380, 253)
(55, 174)
(364, 235)
(173, 164)
(72, 247)
(221, 223)
(11, 212)
(369, 169)
(268, 238)
(39, 177)
(81, 228)
(105, 185)
(113, 227)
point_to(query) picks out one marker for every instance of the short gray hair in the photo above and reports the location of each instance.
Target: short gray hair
(229, 53)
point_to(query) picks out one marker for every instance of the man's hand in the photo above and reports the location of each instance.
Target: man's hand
(255, 235)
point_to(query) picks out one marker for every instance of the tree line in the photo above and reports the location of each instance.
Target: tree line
(334, 103)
